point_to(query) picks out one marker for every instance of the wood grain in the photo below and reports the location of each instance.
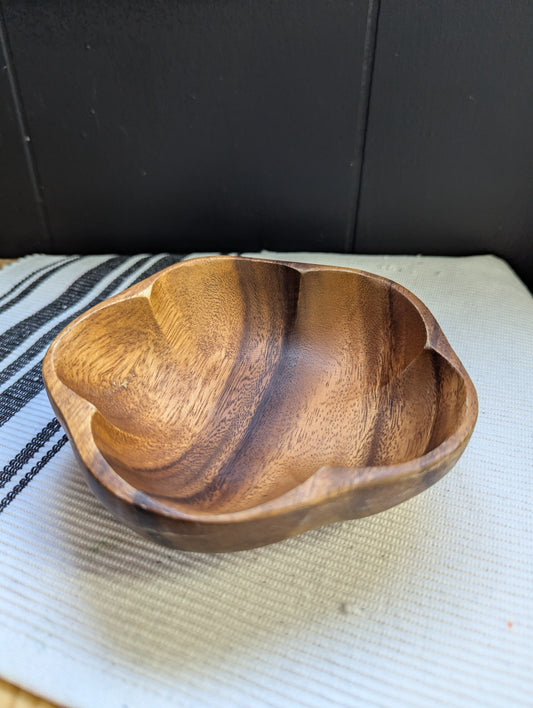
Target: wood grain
(230, 402)
(14, 697)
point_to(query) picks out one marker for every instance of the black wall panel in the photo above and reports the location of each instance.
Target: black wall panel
(448, 164)
(240, 124)
(193, 124)
(22, 228)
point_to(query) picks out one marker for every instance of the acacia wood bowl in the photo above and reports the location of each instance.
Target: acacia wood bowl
(226, 403)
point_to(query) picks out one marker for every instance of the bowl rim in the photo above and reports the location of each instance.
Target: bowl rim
(72, 409)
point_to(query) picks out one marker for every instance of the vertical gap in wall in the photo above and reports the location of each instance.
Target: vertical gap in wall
(361, 125)
(29, 155)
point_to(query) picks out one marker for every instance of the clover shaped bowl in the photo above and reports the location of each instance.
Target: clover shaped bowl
(226, 402)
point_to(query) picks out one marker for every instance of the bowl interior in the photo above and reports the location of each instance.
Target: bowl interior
(236, 380)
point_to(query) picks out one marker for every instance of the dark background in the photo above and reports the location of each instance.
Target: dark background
(375, 127)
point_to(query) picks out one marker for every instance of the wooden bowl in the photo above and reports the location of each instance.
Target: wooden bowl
(226, 403)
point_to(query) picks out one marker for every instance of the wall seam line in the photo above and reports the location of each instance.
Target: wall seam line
(363, 111)
(25, 136)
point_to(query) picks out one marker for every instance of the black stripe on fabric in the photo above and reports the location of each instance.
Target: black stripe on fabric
(26, 291)
(28, 389)
(164, 262)
(15, 335)
(33, 273)
(47, 338)
(45, 459)
(31, 383)
(27, 452)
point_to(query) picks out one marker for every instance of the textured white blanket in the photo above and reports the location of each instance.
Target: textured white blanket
(429, 603)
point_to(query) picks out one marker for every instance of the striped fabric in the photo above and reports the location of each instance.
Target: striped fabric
(429, 603)
(78, 284)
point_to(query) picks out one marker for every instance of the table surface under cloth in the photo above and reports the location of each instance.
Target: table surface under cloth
(429, 603)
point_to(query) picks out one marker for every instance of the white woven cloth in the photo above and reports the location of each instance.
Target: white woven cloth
(429, 603)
